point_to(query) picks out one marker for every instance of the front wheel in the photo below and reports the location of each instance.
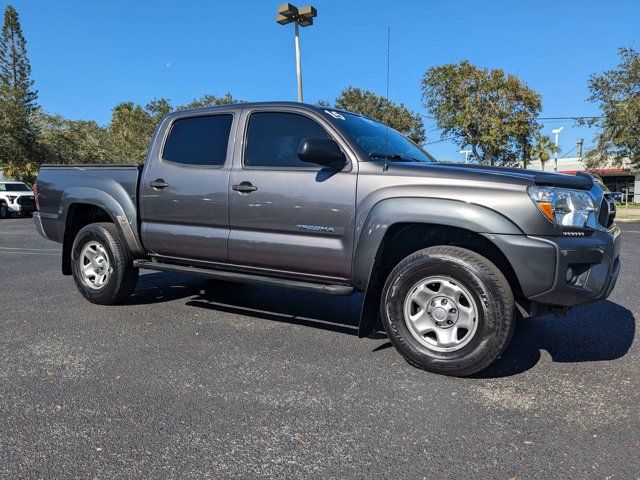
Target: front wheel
(448, 310)
(4, 211)
(102, 266)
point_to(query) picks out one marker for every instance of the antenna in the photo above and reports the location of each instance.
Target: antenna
(386, 132)
(388, 58)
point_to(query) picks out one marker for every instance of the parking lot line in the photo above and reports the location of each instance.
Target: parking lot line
(21, 249)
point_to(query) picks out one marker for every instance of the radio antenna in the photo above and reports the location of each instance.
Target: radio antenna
(388, 58)
(386, 134)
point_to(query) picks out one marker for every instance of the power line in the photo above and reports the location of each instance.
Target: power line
(441, 140)
(570, 118)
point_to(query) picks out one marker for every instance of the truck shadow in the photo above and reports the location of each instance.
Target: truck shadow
(599, 332)
(325, 312)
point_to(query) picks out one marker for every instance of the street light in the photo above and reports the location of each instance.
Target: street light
(466, 154)
(555, 153)
(303, 17)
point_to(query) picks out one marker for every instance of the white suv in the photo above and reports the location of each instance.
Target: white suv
(16, 197)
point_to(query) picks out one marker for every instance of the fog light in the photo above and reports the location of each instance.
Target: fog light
(570, 276)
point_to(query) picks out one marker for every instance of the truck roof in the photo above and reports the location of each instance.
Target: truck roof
(303, 106)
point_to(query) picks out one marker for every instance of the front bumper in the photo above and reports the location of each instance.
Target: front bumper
(564, 271)
(21, 209)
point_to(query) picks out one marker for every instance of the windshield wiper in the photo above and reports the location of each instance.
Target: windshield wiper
(392, 156)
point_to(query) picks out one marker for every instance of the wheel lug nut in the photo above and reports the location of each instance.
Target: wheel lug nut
(453, 310)
(449, 322)
(433, 303)
(444, 301)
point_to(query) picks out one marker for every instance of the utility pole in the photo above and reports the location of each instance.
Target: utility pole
(302, 17)
(555, 153)
(579, 145)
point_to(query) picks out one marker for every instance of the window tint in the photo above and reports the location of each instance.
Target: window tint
(273, 139)
(198, 140)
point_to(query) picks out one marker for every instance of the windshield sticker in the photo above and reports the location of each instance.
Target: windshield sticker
(334, 114)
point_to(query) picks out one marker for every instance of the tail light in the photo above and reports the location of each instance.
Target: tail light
(35, 195)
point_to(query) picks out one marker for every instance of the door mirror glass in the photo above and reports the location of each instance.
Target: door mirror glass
(321, 151)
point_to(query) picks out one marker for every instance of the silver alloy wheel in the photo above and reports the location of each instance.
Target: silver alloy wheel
(441, 314)
(95, 268)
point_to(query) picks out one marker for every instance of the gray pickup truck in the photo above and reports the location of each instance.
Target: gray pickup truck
(447, 255)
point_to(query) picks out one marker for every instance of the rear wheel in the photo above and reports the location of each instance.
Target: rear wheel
(448, 310)
(102, 265)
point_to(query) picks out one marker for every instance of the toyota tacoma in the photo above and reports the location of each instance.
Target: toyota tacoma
(447, 255)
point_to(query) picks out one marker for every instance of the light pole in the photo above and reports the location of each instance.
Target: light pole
(466, 154)
(302, 17)
(555, 153)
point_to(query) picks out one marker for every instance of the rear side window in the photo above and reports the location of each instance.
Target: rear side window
(273, 139)
(199, 140)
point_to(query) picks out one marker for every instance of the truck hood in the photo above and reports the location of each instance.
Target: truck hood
(581, 180)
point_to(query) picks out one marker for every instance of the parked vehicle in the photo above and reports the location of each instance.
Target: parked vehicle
(325, 200)
(16, 197)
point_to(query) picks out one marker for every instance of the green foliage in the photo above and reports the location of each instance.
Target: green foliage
(19, 149)
(617, 92)
(493, 113)
(211, 101)
(72, 141)
(129, 133)
(395, 115)
(543, 149)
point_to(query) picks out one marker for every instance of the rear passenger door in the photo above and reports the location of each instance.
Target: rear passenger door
(294, 216)
(184, 189)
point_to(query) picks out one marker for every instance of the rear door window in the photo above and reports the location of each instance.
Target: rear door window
(199, 140)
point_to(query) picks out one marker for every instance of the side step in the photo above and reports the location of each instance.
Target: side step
(245, 277)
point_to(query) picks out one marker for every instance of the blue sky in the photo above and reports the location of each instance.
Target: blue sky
(87, 56)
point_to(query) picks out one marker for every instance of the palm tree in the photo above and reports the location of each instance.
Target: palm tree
(543, 149)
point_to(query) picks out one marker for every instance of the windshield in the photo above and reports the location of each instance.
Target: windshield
(14, 187)
(379, 141)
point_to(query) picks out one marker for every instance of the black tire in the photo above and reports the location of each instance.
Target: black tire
(4, 211)
(123, 278)
(490, 291)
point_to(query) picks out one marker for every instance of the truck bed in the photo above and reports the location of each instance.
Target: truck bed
(59, 186)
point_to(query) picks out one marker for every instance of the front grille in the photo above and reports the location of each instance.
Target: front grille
(607, 214)
(26, 201)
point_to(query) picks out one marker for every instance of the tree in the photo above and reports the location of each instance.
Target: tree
(208, 100)
(129, 133)
(617, 92)
(543, 149)
(493, 113)
(18, 133)
(72, 141)
(397, 116)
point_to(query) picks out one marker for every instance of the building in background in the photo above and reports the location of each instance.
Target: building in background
(618, 179)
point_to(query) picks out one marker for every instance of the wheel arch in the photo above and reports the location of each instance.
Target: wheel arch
(397, 227)
(81, 206)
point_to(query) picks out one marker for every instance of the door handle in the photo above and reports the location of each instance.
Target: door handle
(244, 187)
(158, 183)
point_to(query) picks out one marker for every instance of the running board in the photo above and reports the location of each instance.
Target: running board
(245, 277)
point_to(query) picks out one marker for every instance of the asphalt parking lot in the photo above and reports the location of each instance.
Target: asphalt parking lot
(200, 379)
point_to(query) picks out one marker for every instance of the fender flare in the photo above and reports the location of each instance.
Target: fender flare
(418, 210)
(122, 212)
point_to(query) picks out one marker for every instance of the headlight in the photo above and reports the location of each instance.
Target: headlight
(564, 206)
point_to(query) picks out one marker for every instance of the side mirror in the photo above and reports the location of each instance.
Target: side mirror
(320, 151)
